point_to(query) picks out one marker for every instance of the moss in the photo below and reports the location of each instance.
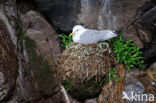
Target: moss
(39, 66)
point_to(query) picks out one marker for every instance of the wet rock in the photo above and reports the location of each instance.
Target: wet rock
(39, 30)
(101, 14)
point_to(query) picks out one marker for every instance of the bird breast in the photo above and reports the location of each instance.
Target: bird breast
(76, 38)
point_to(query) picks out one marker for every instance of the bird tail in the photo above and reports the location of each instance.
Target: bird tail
(118, 31)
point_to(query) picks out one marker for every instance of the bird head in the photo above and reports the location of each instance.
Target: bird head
(111, 34)
(76, 30)
(114, 34)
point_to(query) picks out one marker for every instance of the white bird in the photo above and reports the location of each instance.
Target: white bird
(83, 35)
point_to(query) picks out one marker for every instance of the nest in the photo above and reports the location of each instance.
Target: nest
(81, 63)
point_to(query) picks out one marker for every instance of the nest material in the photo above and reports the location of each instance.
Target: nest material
(112, 92)
(147, 78)
(80, 63)
(83, 65)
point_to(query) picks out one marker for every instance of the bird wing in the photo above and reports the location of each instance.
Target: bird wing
(93, 36)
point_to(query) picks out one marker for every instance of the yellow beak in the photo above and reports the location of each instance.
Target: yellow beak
(71, 34)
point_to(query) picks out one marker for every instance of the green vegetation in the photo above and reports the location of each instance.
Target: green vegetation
(66, 40)
(35, 61)
(101, 81)
(20, 38)
(39, 66)
(112, 76)
(68, 85)
(19, 32)
(127, 53)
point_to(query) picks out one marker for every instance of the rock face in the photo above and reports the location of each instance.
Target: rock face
(25, 74)
(39, 30)
(9, 64)
(146, 30)
(61, 13)
(8, 54)
(101, 14)
(149, 23)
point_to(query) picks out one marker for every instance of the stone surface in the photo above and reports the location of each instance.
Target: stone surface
(21, 80)
(8, 64)
(61, 13)
(101, 14)
(133, 85)
(39, 30)
(149, 23)
(7, 11)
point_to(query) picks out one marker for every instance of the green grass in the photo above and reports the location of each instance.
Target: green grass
(101, 81)
(127, 53)
(112, 76)
(66, 40)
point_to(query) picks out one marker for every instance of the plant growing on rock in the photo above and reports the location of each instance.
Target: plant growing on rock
(127, 53)
(68, 85)
(66, 40)
(112, 76)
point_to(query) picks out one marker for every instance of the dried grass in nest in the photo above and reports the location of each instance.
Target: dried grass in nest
(147, 78)
(112, 92)
(80, 63)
